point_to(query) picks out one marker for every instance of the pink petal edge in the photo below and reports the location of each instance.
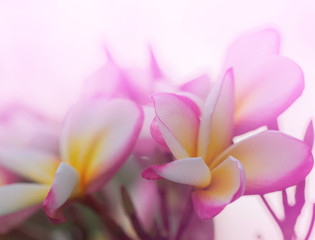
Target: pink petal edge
(65, 182)
(120, 158)
(272, 161)
(190, 171)
(178, 119)
(208, 203)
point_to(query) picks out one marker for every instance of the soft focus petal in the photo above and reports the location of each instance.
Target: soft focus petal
(106, 81)
(200, 229)
(35, 165)
(199, 86)
(156, 71)
(309, 135)
(191, 171)
(65, 182)
(112, 81)
(216, 124)
(21, 125)
(272, 161)
(7, 177)
(19, 202)
(273, 84)
(98, 136)
(95, 84)
(10, 221)
(17, 197)
(145, 145)
(250, 47)
(157, 135)
(227, 185)
(145, 196)
(138, 84)
(178, 119)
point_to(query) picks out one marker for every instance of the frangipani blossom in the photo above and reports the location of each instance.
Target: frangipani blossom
(138, 84)
(220, 171)
(22, 127)
(97, 137)
(259, 71)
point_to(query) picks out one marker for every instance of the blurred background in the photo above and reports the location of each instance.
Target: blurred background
(48, 49)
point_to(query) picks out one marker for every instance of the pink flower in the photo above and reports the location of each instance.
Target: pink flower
(96, 139)
(220, 171)
(22, 128)
(138, 84)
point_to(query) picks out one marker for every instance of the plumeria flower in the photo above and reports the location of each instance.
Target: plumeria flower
(22, 127)
(259, 71)
(206, 158)
(138, 84)
(96, 138)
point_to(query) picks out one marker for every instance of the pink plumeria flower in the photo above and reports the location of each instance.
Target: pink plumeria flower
(96, 139)
(206, 158)
(22, 127)
(266, 83)
(138, 84)
(259, 71)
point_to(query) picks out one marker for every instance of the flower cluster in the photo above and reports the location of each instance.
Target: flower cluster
(186, 137)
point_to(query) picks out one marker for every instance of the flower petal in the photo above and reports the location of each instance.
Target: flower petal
(272, 85)
(199, 86)
(227, 185)
(18, 202)
(98, 136)
(10, 221)
(178, 119)
(157, 135)
(65, 182)
(105, 82)
(22, 126)
(250, 47)
(16, 197)
(156, 71)
(309, 135)
(191, 171)
(216, 124)
(35, 165)
(145, 145)
(146, 199)
(272, 161)
(7, 177)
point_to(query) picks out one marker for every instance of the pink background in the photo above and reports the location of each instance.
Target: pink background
(47, 49)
